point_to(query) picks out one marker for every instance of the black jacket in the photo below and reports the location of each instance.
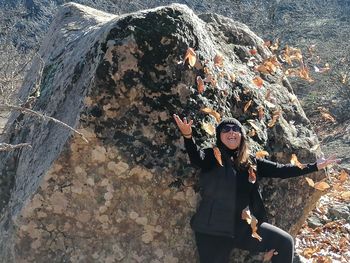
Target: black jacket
(225, 191)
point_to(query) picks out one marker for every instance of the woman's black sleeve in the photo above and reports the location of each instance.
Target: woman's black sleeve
(203, 159)
(267, 168)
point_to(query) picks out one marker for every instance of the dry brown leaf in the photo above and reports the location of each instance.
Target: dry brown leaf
(304, 74)
(251, 133)
(327, 117)
(321, 186)
(233, 77)
(200, 84)
(268, 95)
(212, 112)
(190, 56)
(275, 116)
(308, 252)
(253, 51)
(258, 82)
(252, 221)
(217, 155)
(345, 195)
(209, 128)
(294, 160)
(343, 176)
(274, 46)
(251, 175)
(261, 112)
(261, 154)
(219, 60)
(247, 105)
(292, 72)
(310, 181)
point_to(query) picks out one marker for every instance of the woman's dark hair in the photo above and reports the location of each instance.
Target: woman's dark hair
(242, 155)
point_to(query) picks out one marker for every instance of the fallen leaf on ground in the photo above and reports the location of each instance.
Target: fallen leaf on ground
(219, 60)
(258, 82)
(247, 105)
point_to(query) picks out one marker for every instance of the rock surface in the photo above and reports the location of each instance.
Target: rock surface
(118, 80)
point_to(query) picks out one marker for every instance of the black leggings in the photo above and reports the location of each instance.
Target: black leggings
(217, 249)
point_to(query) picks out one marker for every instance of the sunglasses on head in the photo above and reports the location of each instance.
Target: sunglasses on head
(228, 128)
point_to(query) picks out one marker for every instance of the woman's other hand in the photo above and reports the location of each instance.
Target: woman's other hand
(184, 126)
(324, 162)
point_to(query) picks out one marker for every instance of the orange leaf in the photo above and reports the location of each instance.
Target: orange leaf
(321, 186)
(327, 117)
(304, 74)
(294, 160)
(253, 51)
(275, 117)
(345, 195)
(258, 82)
(218, 61)
(251, 133)
(310, 181)
(252, 221)
(261, 154)
(212, 112)
(251, 175)
(210, 129)
(247, 105)
(217, 155)
(343, 176)
(200, 84)
(190, 56)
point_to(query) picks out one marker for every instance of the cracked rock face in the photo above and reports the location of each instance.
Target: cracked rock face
(118, 80)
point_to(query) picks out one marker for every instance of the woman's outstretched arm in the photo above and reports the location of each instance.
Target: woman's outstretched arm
(267, 168)
(203, 159)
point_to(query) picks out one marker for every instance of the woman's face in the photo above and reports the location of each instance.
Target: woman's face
(231, 136)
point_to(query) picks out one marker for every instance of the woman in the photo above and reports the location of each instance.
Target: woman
(227, 187)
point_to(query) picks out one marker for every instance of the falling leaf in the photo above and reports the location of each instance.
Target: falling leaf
(253, 51)
(344, 78)
(252, 221)
(294, 160)
(217, 155)
(304, 74)
(247, 105)
(251, 133)
(345, 195)
(218, 61)
(209, 128)
(322, 186)
(212, 112)
(275, 116)
(343, 176)
(261, 154)
(190, 56)
(327, 117)
(251, 175)
(261, 112)
(233, 77)
(200, 84)
(310, 181)
(258, 82)
(308, 252)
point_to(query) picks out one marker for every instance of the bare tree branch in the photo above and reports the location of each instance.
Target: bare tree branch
(42, 116)
(4, 147)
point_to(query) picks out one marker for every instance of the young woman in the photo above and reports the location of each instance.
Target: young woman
(227, 187)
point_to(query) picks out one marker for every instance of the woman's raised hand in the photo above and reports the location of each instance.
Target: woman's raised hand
(184, 126)
(324, 162)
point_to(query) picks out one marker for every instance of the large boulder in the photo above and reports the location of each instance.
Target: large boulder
(128, 193)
